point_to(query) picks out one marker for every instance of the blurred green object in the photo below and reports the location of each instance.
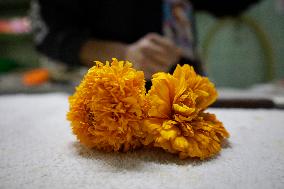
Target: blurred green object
(18, 48)
(7, 65)
(243, 52)
(260, 34)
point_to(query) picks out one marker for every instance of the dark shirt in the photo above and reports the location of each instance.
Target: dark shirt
(62, 26)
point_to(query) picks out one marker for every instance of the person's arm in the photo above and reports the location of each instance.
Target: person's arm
(101, 50)
(67, 39)
(222, 8)
(152, 53)
(61, 34)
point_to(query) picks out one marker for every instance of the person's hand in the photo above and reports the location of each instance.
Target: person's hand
(153, 53)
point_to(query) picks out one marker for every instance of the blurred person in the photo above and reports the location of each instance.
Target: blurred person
(155, 35)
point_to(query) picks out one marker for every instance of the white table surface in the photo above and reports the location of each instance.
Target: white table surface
(38, 150)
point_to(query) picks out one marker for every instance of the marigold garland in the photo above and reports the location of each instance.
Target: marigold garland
(107, 107)
(176, 120)
(110, 111)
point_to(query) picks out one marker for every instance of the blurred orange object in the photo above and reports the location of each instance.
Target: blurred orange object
(35, 77)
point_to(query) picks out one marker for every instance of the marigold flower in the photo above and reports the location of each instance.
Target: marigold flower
(107, 107)
(176, 120)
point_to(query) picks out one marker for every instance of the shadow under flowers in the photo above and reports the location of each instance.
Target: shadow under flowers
(136, 160)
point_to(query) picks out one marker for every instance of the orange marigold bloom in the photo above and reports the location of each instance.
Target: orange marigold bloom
(107, 108)
(176, 120)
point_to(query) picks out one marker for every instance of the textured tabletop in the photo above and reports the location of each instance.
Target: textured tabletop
(38, 150)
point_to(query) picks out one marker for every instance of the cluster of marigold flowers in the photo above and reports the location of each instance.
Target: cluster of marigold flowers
(111, 111)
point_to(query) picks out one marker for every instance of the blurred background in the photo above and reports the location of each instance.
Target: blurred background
(239, 54)
(244, 52)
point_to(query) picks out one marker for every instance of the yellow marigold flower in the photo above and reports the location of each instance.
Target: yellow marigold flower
(107, 108)
(176, 121)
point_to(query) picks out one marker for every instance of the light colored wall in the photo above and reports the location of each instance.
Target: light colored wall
(235, 58)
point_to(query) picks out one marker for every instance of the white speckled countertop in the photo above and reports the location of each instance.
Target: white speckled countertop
(37, 150)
